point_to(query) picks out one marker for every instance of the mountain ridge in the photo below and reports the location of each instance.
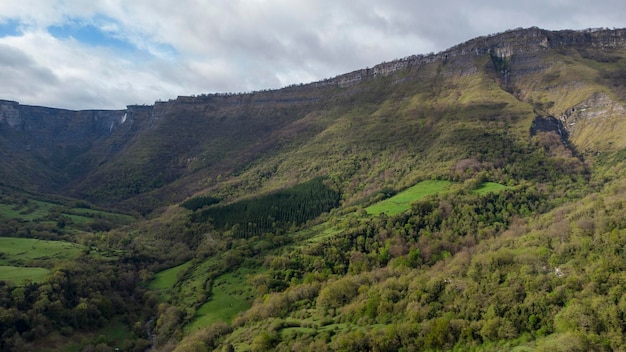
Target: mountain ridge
(466, 200)
(214, 135)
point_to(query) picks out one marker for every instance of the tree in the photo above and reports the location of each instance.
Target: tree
(264, 342)
(337, 293)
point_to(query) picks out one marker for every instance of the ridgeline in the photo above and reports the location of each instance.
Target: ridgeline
(464, 200)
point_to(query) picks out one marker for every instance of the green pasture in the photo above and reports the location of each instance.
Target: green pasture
(31, 210)
(21, 259)
(167, 278)
(21, 251)
(314, 234)
(232, 293)
(20, 275)
(489, 187)
(36, 210)
(402, 201)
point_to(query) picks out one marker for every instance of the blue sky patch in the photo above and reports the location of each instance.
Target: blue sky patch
(103, 31)
(99, 31)
(10, 28)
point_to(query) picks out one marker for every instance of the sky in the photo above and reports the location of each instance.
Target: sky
(107, 54)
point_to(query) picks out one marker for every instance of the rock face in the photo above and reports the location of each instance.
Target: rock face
(9, 113)
(119, 154)
(597, 106)
(42, 127)
(522, 42)
(40, 145)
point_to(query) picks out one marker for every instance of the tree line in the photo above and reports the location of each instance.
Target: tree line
(278, 210)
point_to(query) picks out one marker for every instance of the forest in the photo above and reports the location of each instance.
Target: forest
(466, 202)
(276, 211)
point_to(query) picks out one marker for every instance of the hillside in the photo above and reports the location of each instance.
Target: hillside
(161, 154)
(463, 200)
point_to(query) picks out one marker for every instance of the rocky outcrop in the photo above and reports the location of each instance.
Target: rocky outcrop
(596, 124)
(501, 45)
(599, 105)
(145, 147)
(30, 127)
(9, 113)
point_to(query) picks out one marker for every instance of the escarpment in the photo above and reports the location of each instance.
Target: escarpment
(175, 148)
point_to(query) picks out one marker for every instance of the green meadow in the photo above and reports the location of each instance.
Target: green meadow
(402, 201)
(27, 259)
(232, 293)
(33, 210)
(20, 275)
(166, 279)
(22, 251)
(30, 210)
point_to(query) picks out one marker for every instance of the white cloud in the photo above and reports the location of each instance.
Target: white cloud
(192, 46)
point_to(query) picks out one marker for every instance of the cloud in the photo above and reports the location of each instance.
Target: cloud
(98, 31)
(107, 54)
(21, 74)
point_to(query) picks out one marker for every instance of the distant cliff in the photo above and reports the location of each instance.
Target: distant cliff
(42, 127)
(167, 151)
(501, 45)
(39, 146)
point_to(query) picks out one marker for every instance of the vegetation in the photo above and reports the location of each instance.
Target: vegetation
(277, 210)
(431, 208)
(232, 293)
(489, 187)
(20, 275)
(199, 202)
(402, 201)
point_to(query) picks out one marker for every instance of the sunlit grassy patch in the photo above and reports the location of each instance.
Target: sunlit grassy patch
(232, 293)
(20, 275)
(167, 278)
(30, 210)
(402, 201)
(20, 251)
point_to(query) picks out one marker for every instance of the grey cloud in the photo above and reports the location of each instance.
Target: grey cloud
(243, 45)
(20, 74)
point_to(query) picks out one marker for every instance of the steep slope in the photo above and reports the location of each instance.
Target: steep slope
(439, 109)
(275, 247)
(40, 145)
(344, 123)
(385, 126)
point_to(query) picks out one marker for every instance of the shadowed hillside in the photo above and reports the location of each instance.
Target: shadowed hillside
(382, 127)
(467, 200)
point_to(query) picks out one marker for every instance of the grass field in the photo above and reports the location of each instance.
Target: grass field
(36, 210)
(20, 275)
(316, 233)
(166, 279)
(232, 293)
(402, 201)
(32, 210)
(18, 254)
(21, 251)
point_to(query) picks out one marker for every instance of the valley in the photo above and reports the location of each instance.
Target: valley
(465, 200)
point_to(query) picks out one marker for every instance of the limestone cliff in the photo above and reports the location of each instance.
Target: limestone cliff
(173, 149)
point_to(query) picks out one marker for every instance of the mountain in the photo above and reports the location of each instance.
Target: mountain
(175, 149)
(496, 163)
